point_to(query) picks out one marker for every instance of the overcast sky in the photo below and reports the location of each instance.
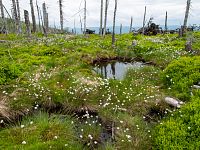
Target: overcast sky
(126, 9)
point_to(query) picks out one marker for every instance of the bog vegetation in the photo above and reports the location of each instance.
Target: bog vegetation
(51, 97)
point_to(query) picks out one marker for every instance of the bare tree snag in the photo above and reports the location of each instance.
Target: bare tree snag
(144, 19)
(14, 8)
(101, 19)
(42, 20)
(81, 24)
(19, 17)
(85, 17)
(105, 19)
(2, 11)
(27, 22)
(166, 23)
(3, 17)
(114, 20)
(131, 25)
(120, 30)
(186, 14)
(33, 16)
(61, 15)
(45, 19)
(38, 12)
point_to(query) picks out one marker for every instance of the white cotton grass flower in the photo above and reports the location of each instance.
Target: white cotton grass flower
(90, 136)
(24, 142)
(1, 121)
(55, 137)
(22, 126)
(31, 122)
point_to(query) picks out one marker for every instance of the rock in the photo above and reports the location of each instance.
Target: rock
(196, 86)
(173, 102)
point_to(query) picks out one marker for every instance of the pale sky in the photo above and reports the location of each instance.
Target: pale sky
(126, 9)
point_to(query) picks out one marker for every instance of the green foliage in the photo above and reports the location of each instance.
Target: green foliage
(181, 130)
(181, 74)
(55, 74)
(8, 71)
(40, 131)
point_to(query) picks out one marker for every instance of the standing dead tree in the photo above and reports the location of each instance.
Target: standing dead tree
(38, 12)
(166, 22)
(131, 25)
(45, 19)
(186, 14)
(33, 16)
(120, 30)
(2, 11)
(144, 19)
(19, 16)
(14, 8)
(85, 17)
(114, 20)
(61, 15)
(3, 29)
(105, 19)
(27, 22)
(101, 19)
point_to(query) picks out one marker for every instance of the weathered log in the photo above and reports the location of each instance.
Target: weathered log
(173, 102)
(196, 86)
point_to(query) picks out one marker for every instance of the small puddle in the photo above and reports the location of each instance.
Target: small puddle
(116, 70)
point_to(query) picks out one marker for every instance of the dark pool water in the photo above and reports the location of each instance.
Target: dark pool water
(116, 70)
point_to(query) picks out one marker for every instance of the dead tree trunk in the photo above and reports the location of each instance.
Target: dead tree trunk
(74, 26)
(42, 21)
(45, 19)
(2, 12)
(15, 16)
(38, 12)
(131, 25)
(166, 22)
(101, 18)
(85, 17)
(186, 14)
(33, 16)
(81, 24)
(114, 20)
(144, 20)
(105, 19)
(120, 30)
(27, 22)
(19, 17)
(61, 15)
(3, 29)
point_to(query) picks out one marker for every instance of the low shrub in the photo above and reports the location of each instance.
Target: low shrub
(181, 74)
(8, 72)
(180, 130)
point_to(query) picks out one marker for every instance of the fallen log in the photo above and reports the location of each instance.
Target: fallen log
(173, 102)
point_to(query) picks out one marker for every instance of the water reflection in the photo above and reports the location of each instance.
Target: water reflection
(116, 70)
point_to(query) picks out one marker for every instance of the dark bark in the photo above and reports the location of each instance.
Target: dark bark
(33, 16)
(27, 22)
(114, 20)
